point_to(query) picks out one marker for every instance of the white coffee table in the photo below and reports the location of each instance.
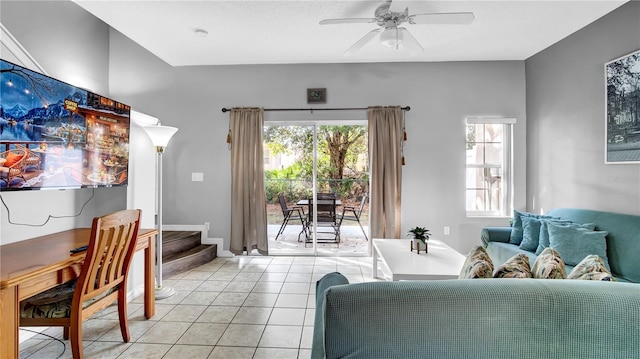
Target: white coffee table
(441, 262)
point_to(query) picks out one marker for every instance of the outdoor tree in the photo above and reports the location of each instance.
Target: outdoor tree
(343, 144)
(339, 150)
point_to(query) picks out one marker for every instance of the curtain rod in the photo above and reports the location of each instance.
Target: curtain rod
(406, 108)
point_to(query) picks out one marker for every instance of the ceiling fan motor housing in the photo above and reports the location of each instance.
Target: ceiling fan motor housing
(387, 18)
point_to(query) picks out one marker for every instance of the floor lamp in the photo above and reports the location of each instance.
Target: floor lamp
(160, 136)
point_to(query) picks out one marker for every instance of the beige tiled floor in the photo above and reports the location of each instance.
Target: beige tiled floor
(241, 307)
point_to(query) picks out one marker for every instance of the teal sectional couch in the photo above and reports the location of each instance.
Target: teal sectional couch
(622, 240)
(476, 318)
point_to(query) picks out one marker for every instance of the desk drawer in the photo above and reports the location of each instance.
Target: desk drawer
(47, 281)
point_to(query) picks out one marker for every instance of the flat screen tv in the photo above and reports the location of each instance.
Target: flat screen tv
(54, 135)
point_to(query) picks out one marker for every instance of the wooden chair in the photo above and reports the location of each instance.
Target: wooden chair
(102, 281)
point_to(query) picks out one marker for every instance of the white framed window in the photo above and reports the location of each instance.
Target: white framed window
(489, 166)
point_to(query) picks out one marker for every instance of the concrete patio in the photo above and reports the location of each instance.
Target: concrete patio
(352, 242)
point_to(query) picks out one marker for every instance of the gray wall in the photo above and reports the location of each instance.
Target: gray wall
(566, 120)
(73, 46)
(440, 96)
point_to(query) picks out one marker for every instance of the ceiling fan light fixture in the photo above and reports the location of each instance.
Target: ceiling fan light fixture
(391, 37)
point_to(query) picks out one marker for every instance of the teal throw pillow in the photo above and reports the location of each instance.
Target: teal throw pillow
(543, 241)
(574, 244)
(530, 233)
(517, 230)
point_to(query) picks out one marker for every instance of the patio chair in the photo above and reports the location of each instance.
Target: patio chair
(351, 213)
(291, 213)
(326, 217)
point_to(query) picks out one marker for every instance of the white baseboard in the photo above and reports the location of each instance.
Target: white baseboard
(220, 243)
(136, 292)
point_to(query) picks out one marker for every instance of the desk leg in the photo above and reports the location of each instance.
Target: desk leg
(9, 323)
(150, 278)
(374, 271)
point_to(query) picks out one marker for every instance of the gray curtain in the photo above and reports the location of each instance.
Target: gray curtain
(248, 200)
(386, 134)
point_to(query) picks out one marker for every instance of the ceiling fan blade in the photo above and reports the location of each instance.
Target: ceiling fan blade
(453, 18)
(409, 42)
(347, 21)
(363, 41)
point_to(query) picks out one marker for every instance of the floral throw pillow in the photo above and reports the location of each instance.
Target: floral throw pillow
(516, 267)
(477, 265)
(549, 265)
(597, 276)
(592, 267)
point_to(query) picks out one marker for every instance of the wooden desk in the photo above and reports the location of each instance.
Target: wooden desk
(32, 266)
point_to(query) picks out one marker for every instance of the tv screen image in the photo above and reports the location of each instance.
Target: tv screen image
(55, 135)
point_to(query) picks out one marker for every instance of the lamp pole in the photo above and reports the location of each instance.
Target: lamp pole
(160, 136)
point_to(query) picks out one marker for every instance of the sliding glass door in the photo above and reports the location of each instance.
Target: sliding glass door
(317, 186)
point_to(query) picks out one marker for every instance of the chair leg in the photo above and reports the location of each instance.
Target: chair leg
(122, 315)
(363, 231)
(65, 333)
(304, 225)
(284, 224)
(76, 337)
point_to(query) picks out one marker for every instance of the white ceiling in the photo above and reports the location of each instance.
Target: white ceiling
(283, 32)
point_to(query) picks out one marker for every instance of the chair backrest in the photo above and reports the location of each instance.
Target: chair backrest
(283, 203)
(326, 209)
(363, 201)
(109, 255)
(326, 195)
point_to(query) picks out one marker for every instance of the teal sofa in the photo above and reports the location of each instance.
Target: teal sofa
(622, 241)
(476, 318)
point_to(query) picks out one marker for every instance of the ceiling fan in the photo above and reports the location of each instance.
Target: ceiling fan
(391, 34)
